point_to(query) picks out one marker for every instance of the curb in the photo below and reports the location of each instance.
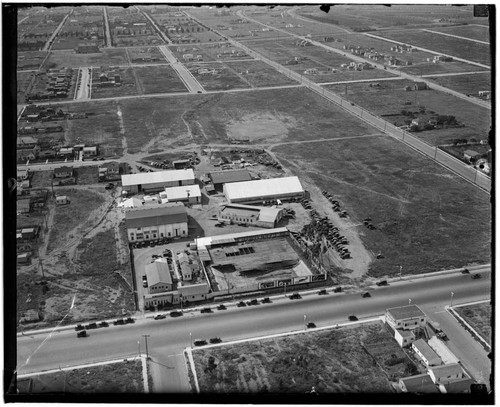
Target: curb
(466, 325)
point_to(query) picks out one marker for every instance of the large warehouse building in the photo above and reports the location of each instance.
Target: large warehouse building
(262, 216)
(219, 178)
(263, 189)
(151, 223)
(156, 181)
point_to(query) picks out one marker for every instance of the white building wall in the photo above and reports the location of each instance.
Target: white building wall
(158, 232)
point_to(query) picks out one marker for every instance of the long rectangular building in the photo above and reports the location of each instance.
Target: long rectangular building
(261, 216)
(263, 189)
(156, 181)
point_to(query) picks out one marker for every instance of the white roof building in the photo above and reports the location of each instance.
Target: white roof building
(157, 180)
(259, 190)
(190, 193)
(209, 241)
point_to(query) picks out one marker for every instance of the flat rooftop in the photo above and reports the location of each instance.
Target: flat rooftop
(157, 177)
(406, 312)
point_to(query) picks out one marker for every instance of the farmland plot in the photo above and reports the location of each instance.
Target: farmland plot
(430, 68)
(419, 209)
(333, 361)
(475, 32)
(107, 57)
(268, 116)
(158, 79)
(24, 80)
(468, 50)
(467, 84)
(390, 101)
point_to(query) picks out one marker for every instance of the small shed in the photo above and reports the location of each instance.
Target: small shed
(471, 155)
(420, 86)
(62, 200)
(31, 315)
(24, 258)
(181, 164)
(23, 206)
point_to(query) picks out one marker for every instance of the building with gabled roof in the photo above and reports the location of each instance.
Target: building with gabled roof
(186, 193)
(457, 386)
(158, 277)
(262, 216)
(446, 373)
(219, 178)
(157, 180)
(425, 353)
(421, 383)
(156, 222)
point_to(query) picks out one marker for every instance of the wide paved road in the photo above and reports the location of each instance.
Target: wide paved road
(83, 92)
(168, 337)
(187, 77)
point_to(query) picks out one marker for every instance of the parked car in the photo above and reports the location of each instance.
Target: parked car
(266, 300)
(103, 324)
(81, 334)
(337, 289)
(465, 271)
(175, 314)
(322, 292)
(79, 327)
(382, 283)
(93, 325)
(241, 304)
(366, 295)
(221, 307)
(160, 316)
(206, 310)
(118, 322)
(295, 296)
(311, 325)
(353, 318)
(199, 342)
(144, 283)
(130, 320)
(253, 302)
(475, 276)
(215, 340)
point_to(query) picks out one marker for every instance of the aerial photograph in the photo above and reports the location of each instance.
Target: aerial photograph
(249, 202)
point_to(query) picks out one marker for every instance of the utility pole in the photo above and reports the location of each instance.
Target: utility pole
(451, 300)
(305, 324)
(146, 339)
(139, 347)
(400, 271)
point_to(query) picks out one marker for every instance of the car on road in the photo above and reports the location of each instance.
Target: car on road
(465, 271)
(366, 295)
(199, 342)
(130, 320)
(93, 325)
(311, 325)
(175, 314)
(475, 276)
(81, 334)
(206, 310)
(337, 290)
(221, 307)
(266, 300)
(144, 283)
(119, 322)
(103, 324)
(322, 292)
(215, 340)
(79, 327)
(253, 302)
(353, 318)
(295, 296)
(241, 304)
(382, 283)
(160, 316)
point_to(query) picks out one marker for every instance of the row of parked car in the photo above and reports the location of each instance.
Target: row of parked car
(82, 329)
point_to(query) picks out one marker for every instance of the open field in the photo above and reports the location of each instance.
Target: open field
(158, 79)
(224, 77)
(30, 59)
(390, 99)
(146, 55)
(474, 32)
(469, 50)
(333, 361)
(68, 217)
(70, 59)
(429, 68)
(479, 317)
(263, 116)
(361, 17)
(219, 51)
(419, 209)
(24, 80)
(121, 377)
(467, 84)
(258, 73)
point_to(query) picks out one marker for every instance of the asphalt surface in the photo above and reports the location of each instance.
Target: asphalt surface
(38, 352)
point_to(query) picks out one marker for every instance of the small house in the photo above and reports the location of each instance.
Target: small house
(62, 200)
(406, 318)
(404, 338)
(63, 172)
(446, 373)
(23, 258)
(29, 233)
(23, 206)
(421, 383)
(30, 316)
(420, 86)
(425, 353)
(89, 151)
(158, 277)
(22, 174)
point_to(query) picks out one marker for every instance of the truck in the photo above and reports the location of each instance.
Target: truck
(436, 329)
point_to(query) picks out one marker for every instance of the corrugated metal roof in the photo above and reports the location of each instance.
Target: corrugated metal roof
(157, 177)
(223, 177)
(263, 188)
(158, 272)
(408, 311)
(203, 242)
(159, 215)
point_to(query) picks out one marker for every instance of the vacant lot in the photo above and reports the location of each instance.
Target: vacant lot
(468, 84)
(334, 361)
(158, 79)
(412, 201)
(145, 55)
(390, 98)
(30, 59)
(70, 59)
(475, 32)
(121, 377)
(24, 80)
(126, 87)
(430, 68)
(479, 317)
(469, 50)
(265, 116)
(259, 74)
(224, 78)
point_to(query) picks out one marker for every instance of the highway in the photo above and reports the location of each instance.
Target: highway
(39, 352)
(83, 91)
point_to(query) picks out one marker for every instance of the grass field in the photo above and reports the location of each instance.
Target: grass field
(128, 85)
(30, 59)
(158, 79)
(333, 361)
(469, 50)
(68, 217)
(479, 317)
(390, 98)
(467, 84)
(135, 54)
(259, 74)
(475, 32)
(263, 116)
(121, 377)
(420, 210)
(107, 57)
(224, 78)
(23, 81)
(430, 68)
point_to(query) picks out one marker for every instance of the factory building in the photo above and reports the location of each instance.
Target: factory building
(260, 216)
(188, 193)
(261, 190)
(151, 223)
(148, 182)
(219, 178)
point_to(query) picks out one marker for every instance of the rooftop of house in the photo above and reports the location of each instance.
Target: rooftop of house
(421, 383)
(406, 312)
(446, 370)
(158, 215)
(425, 349)
(158, 272)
